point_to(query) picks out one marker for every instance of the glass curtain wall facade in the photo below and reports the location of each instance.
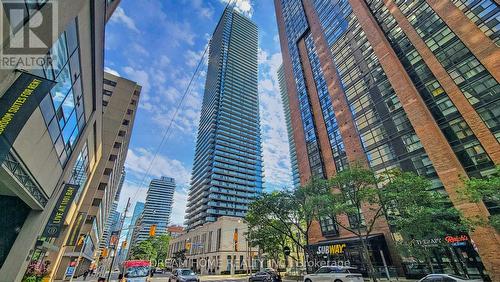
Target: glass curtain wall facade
(227, 171)
(291, 143)
(63, 110)
(336, 45)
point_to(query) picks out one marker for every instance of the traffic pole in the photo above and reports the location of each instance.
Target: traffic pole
(118, 239)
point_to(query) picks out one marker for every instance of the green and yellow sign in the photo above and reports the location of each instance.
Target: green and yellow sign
(56, 220)
(75, 232)
(16, 106)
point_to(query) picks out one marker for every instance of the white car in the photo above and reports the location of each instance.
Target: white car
(446, 278)
(334, 274)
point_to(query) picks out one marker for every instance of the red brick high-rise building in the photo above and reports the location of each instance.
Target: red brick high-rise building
(397, 84)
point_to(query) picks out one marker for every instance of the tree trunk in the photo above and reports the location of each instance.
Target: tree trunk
(366, 256)
(429, 262)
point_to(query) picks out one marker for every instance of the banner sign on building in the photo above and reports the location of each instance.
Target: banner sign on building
(16, 106)
(56, 220)
(74, 235)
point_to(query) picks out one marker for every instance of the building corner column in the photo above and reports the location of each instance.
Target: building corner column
(322, 133)
(353, 147)
(295, 116)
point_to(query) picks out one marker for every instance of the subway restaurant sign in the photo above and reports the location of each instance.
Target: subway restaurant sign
(56, 220)
(331, 249)
(16, 106)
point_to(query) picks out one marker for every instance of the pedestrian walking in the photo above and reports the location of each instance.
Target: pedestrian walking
(85, 274)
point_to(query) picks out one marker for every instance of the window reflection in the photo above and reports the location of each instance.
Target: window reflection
(64, 108)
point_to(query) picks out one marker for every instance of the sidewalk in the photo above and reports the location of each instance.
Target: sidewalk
(398, 279)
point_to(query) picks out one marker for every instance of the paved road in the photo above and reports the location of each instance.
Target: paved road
(164, 278)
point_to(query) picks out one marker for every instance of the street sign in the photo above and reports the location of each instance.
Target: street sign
(56, 220)
(16, 106)
(286, 250)
(70, 271)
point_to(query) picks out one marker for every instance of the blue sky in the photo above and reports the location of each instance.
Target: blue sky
(158, 44)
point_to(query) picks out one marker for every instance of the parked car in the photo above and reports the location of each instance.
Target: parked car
(267, 275)
(447, 278)
(334, 274)
(183, 275)
(158, 270)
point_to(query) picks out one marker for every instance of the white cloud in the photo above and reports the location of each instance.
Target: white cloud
(139, 49)
(266, 84)
(111, 71)
(242, 6)
(164, 61)
(276, 38)
(119, 16)
(203, 11)
(193, 58)
(274, 134)
(141, 77)
(171, 94)
(179, 206)
(139, 160)
(179, 32)
(134, 191)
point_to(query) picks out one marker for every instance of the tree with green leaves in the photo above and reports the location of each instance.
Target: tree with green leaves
(286, 213)
(153, 248)
(144, 251)
(485, 189)
(160, 244)
(268, 241)
(349, 194)
(419, 214)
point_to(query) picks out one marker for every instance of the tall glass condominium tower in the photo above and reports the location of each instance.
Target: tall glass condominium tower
(157, 209)
(396, 84)
(227, 170)
(288, 119)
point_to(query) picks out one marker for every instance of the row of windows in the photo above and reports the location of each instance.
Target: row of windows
(63, 110)
(485, 14)
(477, 84)
(335, 140)
(453, 126)
(296, 25)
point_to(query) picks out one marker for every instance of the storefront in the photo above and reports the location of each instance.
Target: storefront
(451, 254)
(348, 252)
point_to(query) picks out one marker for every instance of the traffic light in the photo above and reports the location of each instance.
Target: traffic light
(104, 253)
(114, 240)
(235, 239)
(124, 244)
(152, 230)
(81, 239)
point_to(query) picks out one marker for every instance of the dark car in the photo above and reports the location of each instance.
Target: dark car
(446, 278)
(265, 276)
(183, 275)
